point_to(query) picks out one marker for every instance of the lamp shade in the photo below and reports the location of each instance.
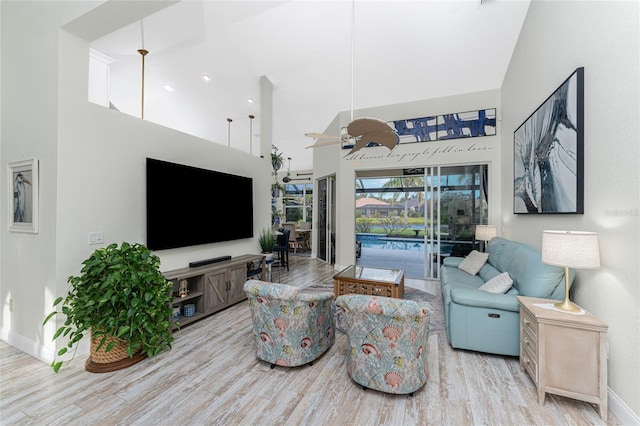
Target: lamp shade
(485, 232)
(573, 249)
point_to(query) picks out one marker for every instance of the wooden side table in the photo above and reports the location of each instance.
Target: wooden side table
(564, 354)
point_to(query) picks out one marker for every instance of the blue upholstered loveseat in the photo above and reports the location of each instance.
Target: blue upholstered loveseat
(489, 322)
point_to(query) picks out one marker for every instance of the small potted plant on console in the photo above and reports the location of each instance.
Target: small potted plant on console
(124, 301)
(267, 241)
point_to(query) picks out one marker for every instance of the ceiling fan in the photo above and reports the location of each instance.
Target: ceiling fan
(361, 131)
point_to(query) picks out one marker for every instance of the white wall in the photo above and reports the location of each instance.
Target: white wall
(602, 36)
(92, 170)
(29, 91)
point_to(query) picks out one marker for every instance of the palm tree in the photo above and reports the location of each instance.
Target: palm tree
(406, 183)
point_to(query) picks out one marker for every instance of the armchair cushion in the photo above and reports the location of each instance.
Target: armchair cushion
(290, 328)
(387, 342)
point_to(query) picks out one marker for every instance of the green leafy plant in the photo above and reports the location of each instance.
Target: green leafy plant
(363, 224)
(276, 189)
(120, 293)
(267, 240)
(277, 159)
(393, 225)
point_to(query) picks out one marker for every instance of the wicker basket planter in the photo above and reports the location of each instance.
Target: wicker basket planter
(103, 361)
(119, 292)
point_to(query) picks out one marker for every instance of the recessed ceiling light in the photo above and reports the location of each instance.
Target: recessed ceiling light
(206, 77)
(168, 88)
(250, 100)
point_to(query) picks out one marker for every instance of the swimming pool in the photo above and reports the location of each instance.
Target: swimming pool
(393, 244)
(388, 243)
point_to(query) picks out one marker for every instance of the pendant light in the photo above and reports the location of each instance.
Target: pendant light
(143, 52)
(251, 117)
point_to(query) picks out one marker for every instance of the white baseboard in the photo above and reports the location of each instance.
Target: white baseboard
(27, 346)
(622, 411)
(37, 350)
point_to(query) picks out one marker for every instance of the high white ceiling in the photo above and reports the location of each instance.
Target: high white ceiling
(403, 51)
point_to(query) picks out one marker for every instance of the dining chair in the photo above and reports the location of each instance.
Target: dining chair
(294, 239)
(282, 247)
(305, 225)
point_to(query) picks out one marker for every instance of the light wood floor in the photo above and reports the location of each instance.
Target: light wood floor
(211, 376)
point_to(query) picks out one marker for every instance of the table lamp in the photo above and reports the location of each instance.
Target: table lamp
(570, 249)
(485, 233)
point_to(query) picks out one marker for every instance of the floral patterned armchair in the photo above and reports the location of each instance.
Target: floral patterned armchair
(290, 328)
(386, 342)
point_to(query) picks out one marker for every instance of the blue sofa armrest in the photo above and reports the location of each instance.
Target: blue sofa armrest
(484, 299)
(452, 261)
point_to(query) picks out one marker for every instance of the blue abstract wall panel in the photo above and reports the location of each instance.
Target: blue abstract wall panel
(447, 126)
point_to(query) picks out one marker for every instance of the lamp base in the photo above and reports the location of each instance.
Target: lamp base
(567, 305)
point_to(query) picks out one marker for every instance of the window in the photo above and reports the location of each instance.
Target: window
(298, 202)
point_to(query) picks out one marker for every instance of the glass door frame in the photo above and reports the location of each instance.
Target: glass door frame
(325, 221)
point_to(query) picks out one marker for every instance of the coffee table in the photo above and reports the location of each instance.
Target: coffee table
(368, 280)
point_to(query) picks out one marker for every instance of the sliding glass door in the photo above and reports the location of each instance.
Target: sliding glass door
(414, 221)
(456, 201)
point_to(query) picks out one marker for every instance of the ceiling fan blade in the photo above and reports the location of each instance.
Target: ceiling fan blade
(320, 136)
(325, 143)
(361, 126)
(386, 138)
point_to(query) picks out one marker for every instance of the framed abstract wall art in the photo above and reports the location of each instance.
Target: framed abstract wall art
(548, 169)
(22, 178)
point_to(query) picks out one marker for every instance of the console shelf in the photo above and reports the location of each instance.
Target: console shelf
(215, 286)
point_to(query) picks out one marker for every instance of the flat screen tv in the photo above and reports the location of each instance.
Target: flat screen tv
(188, 206)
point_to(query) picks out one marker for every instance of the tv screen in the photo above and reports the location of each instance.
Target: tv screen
(187, 206)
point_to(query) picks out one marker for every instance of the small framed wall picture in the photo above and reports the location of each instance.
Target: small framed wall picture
(22, 178)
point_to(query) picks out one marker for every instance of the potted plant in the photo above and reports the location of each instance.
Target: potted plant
(276, 189)
(124, 301)
(276, 215)
(267, 241)
(276, 159)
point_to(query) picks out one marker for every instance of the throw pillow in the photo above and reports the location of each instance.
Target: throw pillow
(473, 262)
(497, 284)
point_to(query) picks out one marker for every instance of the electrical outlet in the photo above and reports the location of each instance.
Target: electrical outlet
(96, 238)
(10, 305)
